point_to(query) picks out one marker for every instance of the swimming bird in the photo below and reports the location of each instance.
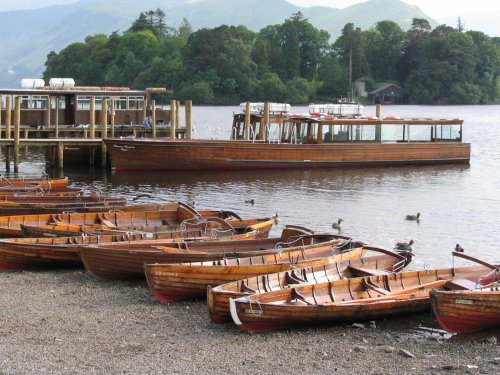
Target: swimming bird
(275, 217)
(250, 201)
(404, 245)
(338, 224)
(413, 217)
(459, 249)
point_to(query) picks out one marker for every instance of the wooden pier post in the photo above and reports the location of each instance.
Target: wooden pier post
(189, 128)
(264, 121)
(17, 132)
(153, 118)
(378, 128)
(112, 120)
(60, 155)
(173, 118)
(92, 117)
(57, 116)
(104, 130)
(104, 119)
(0, 117)
(8, 115)
(47, 111)
(7, 159)
(177, 115)
(246, 128)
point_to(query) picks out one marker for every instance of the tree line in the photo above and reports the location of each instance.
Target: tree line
(291, 62)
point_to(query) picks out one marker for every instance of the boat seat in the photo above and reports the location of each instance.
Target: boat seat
(363, 271)
(369, 284)
(460, 284)
(105, 221)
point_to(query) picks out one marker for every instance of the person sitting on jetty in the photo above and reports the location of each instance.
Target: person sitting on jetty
(148, 121)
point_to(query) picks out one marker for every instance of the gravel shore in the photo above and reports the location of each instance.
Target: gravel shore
(66, 322)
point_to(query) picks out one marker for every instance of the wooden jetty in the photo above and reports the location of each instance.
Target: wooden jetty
(73, 118)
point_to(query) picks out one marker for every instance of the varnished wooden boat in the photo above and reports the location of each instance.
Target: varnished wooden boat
(201, 227)
(356, 299)
(40, 194)
(462, 311)
(174, 282)
(301, 142)
(62, 252)
(375, 261)
(53, 183)
(124, 262)
(169, 215)
(53, 204)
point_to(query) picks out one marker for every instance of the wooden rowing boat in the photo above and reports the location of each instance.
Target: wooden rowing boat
(171, 215)
(125, 262)
(462, 311)
(33, 196)
(174, 282)
(356, 299)
(56, 204)
(201, 227)
(63, 252)
(375, 261)
(53, 183)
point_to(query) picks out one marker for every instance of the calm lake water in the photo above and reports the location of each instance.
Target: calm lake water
(458, 204)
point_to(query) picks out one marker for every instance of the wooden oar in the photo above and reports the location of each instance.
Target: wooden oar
(476, 260)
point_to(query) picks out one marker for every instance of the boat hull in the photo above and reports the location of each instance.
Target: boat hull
(218, 297)
(122, 262)
(468, 311)
(187, 281)
(349, 300)
(207, 154)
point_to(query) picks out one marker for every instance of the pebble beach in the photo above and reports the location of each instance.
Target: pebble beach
(66, 322)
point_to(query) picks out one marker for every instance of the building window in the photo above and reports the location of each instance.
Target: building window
(62, 102)
(83, 103)
(25, 102)
(39, 102)
(136, 102)
(121, 103)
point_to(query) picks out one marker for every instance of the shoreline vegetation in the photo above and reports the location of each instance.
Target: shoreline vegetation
(292, 62)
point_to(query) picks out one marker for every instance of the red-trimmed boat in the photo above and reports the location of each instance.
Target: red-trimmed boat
(356, 299)
(466, 310)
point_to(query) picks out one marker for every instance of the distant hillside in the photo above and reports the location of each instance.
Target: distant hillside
(28, 36)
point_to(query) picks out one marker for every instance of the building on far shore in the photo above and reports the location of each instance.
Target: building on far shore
(386, 93)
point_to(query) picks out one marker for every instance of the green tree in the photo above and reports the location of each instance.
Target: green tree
(385, 47)
(350, 47)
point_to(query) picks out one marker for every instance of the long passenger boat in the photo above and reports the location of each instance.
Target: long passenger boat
(302, 141)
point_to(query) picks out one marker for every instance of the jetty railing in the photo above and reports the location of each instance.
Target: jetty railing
(91, 135)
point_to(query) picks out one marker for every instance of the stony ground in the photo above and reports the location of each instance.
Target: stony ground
(65, 322)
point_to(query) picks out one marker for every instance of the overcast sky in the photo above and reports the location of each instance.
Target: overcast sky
(434, 8)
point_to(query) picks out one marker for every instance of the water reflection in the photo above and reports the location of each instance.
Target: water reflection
(459, 204)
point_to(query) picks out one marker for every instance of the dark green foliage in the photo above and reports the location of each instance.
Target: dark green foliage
(291, 62)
